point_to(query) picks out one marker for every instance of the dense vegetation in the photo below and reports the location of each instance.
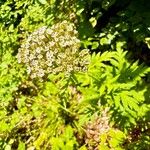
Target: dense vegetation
(74, 75)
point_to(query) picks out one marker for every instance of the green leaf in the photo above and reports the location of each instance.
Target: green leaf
(104, 41)
(11, 28)
(8, 147)
(103, 147)
(113, 142)
(68, 132)
(50, 88)
(93, 21)
(95, 45)
(4, 126)
(21, 146)
(147, 41)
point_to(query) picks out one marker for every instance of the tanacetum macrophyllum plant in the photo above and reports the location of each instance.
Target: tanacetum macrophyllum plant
(53, 50)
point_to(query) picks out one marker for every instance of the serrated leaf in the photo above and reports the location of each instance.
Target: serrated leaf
(117, 101)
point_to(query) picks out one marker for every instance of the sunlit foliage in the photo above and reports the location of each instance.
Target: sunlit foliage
(74, 75)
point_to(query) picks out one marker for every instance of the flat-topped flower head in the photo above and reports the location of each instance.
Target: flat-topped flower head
(53, 50)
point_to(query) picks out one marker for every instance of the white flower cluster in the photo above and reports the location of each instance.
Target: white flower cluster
(53, 50)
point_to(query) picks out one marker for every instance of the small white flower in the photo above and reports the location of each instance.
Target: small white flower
(33, 45)
(41, 37)
(54, 35)
(75, 32)
(70, 27)
(49, 31)
(28, 69)
(38, 50)
(42, 30)
(19, 58)
(69, 68)
(33, 75)
(40, 73)
(49, 63)
(25, 60)
(40, 56)
(34, 63)
(31, 57)
(51, 44)
(49, 55)
(46, 48)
